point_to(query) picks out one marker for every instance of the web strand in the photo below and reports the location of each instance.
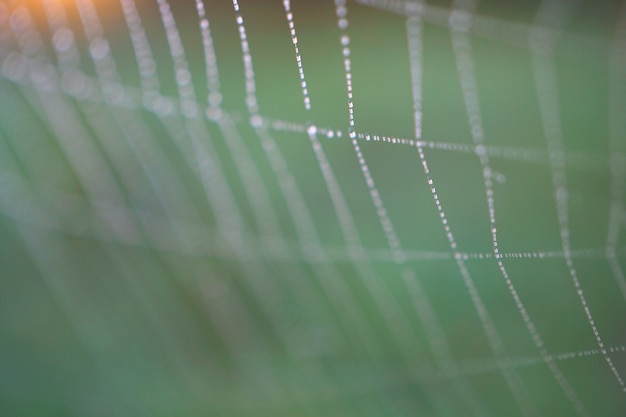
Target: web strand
(542, 45)
(327, 275)
(166, 107)
(437, 338)
(383, 299)
(462, 48)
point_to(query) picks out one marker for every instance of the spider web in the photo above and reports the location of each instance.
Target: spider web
(374, 207)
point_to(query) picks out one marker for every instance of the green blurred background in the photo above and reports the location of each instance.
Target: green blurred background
(153, 264)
